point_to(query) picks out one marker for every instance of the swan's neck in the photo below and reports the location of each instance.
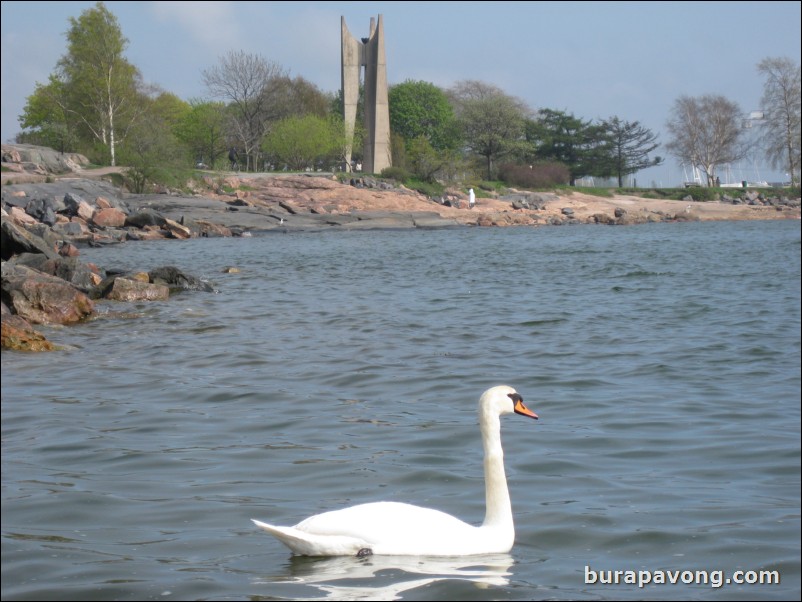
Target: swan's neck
(497, 496)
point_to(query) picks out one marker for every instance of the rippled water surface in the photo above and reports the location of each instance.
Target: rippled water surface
(340, 368)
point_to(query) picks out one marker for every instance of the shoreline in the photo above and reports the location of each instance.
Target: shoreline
(233, 204)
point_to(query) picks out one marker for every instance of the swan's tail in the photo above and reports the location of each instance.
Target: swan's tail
(312, 544)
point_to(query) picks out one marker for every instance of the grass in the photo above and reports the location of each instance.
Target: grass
(593, 191)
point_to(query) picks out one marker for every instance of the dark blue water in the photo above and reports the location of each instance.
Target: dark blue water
(341, 368)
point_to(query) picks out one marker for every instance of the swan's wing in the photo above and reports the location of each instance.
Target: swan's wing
(312, 544)
(394, 528)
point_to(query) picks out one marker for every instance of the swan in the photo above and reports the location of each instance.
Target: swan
(398, 529)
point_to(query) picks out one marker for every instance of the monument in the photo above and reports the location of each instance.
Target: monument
(369, 53)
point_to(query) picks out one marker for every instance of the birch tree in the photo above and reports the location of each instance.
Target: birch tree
(781, 114)
(706, 132)
(94, 93)
(101, 85)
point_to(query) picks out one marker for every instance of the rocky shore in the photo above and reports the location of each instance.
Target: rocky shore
(53, 204)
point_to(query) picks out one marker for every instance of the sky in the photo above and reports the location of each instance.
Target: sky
(592, 59)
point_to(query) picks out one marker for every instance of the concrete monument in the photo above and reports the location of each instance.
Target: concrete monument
(368, 53)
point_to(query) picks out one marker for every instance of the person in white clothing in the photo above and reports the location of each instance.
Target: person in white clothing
(471, 199)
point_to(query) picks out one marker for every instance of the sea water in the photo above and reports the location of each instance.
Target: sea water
(338, 368)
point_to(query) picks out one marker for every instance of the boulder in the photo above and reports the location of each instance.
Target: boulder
(109, 218)
(177, 230)
(17, 334)
(129, 289)
(41, 298)
(20, 216)
(41, 159)
(176, 280)
(75, 206)
(15, 240)
(145, 217)
(42, 210)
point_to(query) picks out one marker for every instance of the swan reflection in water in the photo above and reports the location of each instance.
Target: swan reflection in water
(386, 577)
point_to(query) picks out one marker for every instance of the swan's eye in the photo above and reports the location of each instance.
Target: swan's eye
(515, 397)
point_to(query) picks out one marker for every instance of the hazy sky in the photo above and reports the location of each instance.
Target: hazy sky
(592, 59)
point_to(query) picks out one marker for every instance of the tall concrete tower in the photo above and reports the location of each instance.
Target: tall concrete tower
(368, 53)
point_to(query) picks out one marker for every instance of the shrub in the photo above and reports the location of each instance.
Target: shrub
(430, 189)
(399, 174)
(538, 175)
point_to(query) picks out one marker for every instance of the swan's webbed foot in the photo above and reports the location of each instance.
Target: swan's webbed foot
(364, 552)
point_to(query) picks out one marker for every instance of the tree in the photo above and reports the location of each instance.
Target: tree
(151, 151)
(583, 147)
(429, 164)
(202, 130)
(418, 108)
(303, 141)
(44, 120)
(101, 88)
(630, 144)
(491, 121)
(295, 96)
(706, 132)
(781, 114)
(245, 81)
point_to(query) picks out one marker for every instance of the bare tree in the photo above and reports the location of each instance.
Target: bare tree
(245, 80)
(781, 114)
(706, 132)
(492, 122)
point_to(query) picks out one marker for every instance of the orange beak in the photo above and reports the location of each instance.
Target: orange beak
(521, 409)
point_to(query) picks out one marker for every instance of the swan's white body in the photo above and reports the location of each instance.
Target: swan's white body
(393, 528)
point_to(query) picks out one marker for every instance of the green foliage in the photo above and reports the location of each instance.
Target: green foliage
(561, 137)
(302, 142)
(153, 154)
(202, 130)
(420, 162)
(537, 175)
(419, 109)
(100, 84)
(297, 96)
(699, 193)
(399, 174)
(431, 189)
(45, 120)
(423, 160)
(490, 186)
(491, 122)
(93, 97)
(629, 147)
(591, 190)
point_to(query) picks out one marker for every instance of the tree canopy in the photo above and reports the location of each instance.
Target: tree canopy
(301, 142)
(706, 132)
(578, 144)
(781, 114)
(248, 82)
(491, 122)
(629, 145)
(95, 93)
(418, 108)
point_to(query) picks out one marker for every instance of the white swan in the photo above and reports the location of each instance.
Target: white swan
(393, 528)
